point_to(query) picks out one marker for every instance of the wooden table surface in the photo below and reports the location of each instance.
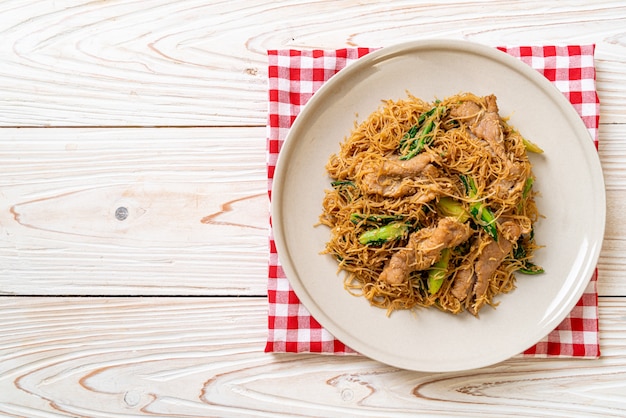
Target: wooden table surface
(159, 107)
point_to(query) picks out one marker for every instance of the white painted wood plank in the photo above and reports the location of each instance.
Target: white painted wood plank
(197, 206)
(199, 63)
(201, 357)
(612, 262)
(197, 211)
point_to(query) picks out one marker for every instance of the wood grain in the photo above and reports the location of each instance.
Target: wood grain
(198, 63)
(611, 265)
(197, 207)
(201, 357)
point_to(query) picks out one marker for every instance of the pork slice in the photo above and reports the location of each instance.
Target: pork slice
(399, 266)
(467, 111)
(424, 249)
(512, 230)
(396, 178)
(473, 277)
(405, 168)
(488, 262)
(463, 281)
(483, 122)
(489, 127)
(395, 187)
(373, 183)
(490, 259)
(513, 183)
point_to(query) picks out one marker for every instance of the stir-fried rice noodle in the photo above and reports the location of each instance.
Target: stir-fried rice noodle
(432, 211)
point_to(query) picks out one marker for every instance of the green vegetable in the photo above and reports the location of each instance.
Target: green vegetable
(424, 139)
(438, 271)
(520, 254)
(346, 188)
(450, 207)
(411, 133)
(527, 187)
(485, 218)
(421, 134)
(377, 219)
(341, 183)
(389, 232)
(531, 147)
(530, 268)
(481, 213)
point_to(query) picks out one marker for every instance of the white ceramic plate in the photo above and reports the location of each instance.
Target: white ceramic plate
(569, 178)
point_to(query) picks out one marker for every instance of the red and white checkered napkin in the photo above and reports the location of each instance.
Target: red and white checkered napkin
(293, 78)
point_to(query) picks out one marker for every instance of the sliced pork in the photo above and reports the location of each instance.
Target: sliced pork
(424, 249)
(397, 178)
(483, 120)
(472, 280)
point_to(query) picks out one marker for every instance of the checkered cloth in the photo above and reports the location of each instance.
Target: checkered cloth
(295, 75)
